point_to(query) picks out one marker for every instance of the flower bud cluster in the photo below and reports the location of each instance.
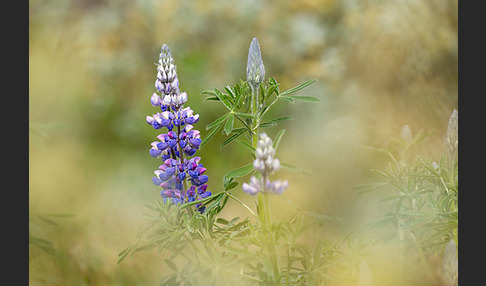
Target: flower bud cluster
(181, 178)
(266, 163)
(167, 83)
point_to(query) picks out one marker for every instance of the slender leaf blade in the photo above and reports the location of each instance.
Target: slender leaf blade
(224, 99)
(218, 121)
(208, 92)
(230, 91)
(300, 97)
(232, 137)
(209, 136)
(276, 120)
(246, 144)
(277, 139)
(228, 127)
(239, 172)
(294, 168)
(299, 87)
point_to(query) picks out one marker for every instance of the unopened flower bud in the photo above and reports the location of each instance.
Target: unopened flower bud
(255, 71)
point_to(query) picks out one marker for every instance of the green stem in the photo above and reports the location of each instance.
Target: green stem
(263, 210)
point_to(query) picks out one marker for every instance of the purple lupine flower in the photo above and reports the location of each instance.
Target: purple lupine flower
(253, 188)
(181, 176)
(266, 163)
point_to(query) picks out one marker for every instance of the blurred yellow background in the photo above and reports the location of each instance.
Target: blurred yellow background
(379, 65)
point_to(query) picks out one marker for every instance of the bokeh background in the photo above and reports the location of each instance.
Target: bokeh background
(379, 65)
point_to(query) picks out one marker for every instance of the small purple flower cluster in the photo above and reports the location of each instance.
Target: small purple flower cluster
(266, 164)
(181, 179)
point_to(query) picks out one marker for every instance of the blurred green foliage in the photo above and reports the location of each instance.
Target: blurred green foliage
(379, 65)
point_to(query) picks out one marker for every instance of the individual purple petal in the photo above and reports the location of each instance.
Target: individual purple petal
(278, 187)
(195, 142)
(156, 181)
(182, 176)
(182, 143)
(201, 170)
(159, 85)
(162, 145)
(172, 143)
(206, 194)
(249, 189)
(193, 174)
(202, 188)
(155, 99)
(149, 119)
(192, 191)
(155, 153)
(190, 152)
(202, 179)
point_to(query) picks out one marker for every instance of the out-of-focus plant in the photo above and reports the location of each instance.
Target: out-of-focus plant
(207, 249)
(421, 212)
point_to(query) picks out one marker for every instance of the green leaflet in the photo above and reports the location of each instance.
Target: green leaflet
(228, 127)
(299, 87)
(233, 137)
(277, 139)
(224, 99)
(291, 98)
(209, 136)
(274, 121)
(218, 121)
(294, 168)
(239, 172)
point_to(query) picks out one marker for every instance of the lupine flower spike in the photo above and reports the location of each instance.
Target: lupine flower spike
(266, 163)
(181, 177)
